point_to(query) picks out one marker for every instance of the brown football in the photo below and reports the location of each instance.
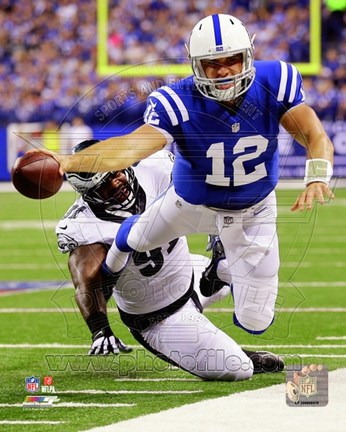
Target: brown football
(36, 175)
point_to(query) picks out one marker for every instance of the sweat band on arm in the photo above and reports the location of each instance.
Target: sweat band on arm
(318, 170)
(98, 321)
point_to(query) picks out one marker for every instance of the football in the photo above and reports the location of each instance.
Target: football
(36, 175)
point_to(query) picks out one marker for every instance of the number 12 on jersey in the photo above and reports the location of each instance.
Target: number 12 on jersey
(217, 152)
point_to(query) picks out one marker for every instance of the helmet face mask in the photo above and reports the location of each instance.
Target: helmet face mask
(96, 188)
(215, 37)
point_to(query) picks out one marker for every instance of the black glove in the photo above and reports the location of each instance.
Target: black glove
(104, 343)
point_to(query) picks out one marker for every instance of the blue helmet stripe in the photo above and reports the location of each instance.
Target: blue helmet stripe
(217, 29)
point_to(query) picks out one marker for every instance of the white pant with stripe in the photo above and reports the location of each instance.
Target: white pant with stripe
(249, 238)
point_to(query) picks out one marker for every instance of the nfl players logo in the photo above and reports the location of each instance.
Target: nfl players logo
(48, 386)
(48, 380)
(32, 384)
(235, 127)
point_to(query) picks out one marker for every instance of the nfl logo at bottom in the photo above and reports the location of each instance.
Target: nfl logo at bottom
(32, 384)
(47, 386)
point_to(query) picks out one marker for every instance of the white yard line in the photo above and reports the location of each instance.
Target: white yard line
(286, 310)
(44, 310)
(63, 346)
(130, 392)
(49, 345)
(13, 287)
(331, 337)
(25, 224)
(75, 405)
(319, 355)
(257, 410)
(29, 422)
(294, 346)
(157, 379)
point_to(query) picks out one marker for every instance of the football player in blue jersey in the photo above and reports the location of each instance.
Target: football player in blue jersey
(225, 122)
(160, 293)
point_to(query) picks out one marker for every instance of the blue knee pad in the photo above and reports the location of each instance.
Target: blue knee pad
(123, 233)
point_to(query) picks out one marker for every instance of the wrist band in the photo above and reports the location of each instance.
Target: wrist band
(318, 170)
(97, 321)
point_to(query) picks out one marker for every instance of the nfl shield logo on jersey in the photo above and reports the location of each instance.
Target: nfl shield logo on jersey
(32, 384)
(227, 220)
(235, 127)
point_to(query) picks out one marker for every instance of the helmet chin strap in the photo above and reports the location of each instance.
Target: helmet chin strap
(228, 94)
(238, 85)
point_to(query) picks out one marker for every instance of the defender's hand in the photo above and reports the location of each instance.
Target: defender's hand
(105, 343)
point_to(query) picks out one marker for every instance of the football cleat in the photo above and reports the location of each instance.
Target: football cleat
(210, 283)
(122, 347)
(265, 361)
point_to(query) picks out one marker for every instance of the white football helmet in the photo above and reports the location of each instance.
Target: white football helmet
(218, 36)
(90, 184)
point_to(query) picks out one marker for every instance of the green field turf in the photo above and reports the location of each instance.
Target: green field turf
(42, 333)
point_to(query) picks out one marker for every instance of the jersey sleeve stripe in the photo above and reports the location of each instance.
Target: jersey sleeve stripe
(180, 104)
(303, 94)
(293, 84)
(283, 81)
(167, 106)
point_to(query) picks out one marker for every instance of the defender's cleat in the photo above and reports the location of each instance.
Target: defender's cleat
(265, 361)
(210, 283)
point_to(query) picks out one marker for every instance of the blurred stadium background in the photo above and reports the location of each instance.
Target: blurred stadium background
(72, 69)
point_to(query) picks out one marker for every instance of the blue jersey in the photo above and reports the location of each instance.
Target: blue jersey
(226, 158)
